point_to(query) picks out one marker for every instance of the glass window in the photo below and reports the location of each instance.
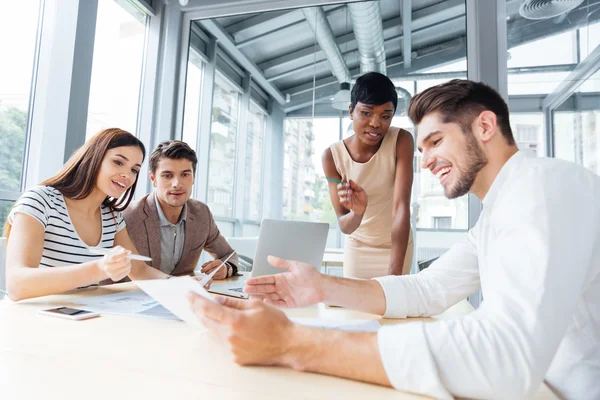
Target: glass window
(19, 31)
(456, 66)
(254, 162)
(576, 136)
(305, 189)
(528, 130)
(117, 67)
(589, 39)
(223, 138)
(442, 222)
(546, 50)
(534, 83)
(193, 96)
(5, 206)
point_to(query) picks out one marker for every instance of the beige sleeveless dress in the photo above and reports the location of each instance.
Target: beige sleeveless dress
(367, 250)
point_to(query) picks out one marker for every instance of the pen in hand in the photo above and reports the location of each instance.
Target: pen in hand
(334, 180)
(205, 280)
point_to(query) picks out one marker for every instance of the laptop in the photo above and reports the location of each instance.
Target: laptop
(291, 240)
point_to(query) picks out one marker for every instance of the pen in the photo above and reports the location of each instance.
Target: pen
(334, 180)
(105, 251)
(205, 280)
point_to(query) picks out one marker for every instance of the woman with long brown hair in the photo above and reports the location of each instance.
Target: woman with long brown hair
(52, 227)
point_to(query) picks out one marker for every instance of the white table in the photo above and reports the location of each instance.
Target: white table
(120, 357)
(332, 259)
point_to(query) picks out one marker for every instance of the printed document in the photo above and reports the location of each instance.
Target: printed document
(172, 294)
(134, 303)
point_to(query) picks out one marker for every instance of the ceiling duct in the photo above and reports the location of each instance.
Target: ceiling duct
(316, 18)
(544, 9)
(403, 101)
(368, 30)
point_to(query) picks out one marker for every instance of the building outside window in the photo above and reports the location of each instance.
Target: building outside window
(223, 138)
(255, 140)
(442, 222)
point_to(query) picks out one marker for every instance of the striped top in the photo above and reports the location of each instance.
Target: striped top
(62, 244)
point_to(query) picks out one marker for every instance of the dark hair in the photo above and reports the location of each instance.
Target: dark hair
(77, 178)
(373, 88)
(460, 101)
(175, 149)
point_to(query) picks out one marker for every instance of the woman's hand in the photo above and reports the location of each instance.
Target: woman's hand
(352, 197)
(116, 265)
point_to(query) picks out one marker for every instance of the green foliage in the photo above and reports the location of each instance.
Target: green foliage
(5, 207)
(13, 123)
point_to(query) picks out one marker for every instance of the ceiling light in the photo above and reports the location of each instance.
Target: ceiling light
(341, 100)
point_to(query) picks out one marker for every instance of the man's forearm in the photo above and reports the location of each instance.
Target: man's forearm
(350, 355)
(357, 294)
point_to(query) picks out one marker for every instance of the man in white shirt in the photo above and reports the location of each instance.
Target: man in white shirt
(534, 253)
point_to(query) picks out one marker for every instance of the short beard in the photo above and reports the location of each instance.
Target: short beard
(475, 161)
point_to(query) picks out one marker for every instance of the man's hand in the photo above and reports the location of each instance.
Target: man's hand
(299, 286)
(209, 266)
(352, 197)
(254, 332)
(199, 279)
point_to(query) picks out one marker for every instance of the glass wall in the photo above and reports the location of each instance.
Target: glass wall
(528, 130)
(193, 95)
(255, 143)
(117, 68)
(541, 54)
(223, 139)
(305, 189)
(18, 46)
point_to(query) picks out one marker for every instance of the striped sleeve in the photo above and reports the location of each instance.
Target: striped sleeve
(120, 222)
(34, 203)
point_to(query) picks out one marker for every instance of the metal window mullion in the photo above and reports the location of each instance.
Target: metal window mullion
(240, 156)
(146, 103)
(486, 62)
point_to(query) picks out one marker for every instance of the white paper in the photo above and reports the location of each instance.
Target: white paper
(119, 303)
(357, 325)
(172, 294)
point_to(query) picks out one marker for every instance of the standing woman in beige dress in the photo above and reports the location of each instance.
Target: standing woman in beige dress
(375, 168)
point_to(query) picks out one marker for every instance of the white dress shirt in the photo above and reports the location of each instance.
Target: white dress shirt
(535, 254)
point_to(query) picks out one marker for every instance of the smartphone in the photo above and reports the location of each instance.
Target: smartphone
(69, 313)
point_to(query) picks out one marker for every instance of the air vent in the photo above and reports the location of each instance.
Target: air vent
(544, 9)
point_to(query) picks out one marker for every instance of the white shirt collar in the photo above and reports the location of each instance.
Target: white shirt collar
(511, 164)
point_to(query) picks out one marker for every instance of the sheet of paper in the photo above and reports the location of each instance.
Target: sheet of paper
(119, 303)
(204, 280)
(172, 294)
(358, 325)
